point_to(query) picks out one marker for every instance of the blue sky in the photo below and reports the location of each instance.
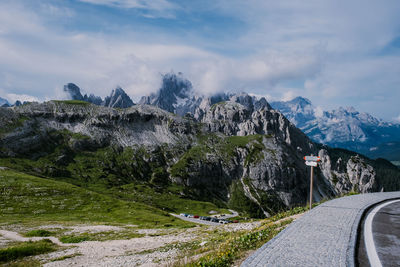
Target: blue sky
(336, 53)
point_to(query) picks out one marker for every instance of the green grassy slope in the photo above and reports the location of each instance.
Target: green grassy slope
(26, 199)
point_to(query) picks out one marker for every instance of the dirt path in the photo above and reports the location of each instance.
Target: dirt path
(150, 250)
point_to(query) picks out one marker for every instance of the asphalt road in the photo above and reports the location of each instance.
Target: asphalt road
(379, 243)
(227, 216)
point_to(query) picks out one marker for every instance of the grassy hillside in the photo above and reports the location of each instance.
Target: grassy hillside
(25, 199)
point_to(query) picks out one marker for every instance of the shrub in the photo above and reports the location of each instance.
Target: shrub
(40, 232)
(26, 249)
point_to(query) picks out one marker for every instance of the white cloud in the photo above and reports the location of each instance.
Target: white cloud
(289, 95)
(318, 112)
(158, 8)
(328, 48)
(14, 97)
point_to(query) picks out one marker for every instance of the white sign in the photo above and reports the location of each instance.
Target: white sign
(312, 163)
(311, 158)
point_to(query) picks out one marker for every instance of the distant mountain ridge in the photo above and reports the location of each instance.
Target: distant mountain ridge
(117, 99)
(343, 128)
(4, 103)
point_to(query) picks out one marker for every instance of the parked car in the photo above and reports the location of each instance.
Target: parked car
(203, 218)
(214, 220)
(223, 221)
(207, 218)
(235, 221)
(182, 214)
(196, 216)
(190, 216)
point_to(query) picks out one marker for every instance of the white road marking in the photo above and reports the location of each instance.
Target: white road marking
(368, 237)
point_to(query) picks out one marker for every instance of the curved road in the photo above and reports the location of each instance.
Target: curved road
(325, 236)
(194, 220)
(380, 237)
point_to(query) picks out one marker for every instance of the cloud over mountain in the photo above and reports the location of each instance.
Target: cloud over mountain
(337, 52)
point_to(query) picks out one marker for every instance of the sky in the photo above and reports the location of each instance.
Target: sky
(335, 53)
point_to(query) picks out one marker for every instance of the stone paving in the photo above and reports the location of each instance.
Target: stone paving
(325, 236)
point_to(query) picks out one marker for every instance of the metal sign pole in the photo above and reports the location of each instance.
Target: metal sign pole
(311, 185)
(311, 161)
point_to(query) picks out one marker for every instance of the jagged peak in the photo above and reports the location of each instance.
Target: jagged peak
(4, 101)
(74, 91)
(118, 99)
(300, 100)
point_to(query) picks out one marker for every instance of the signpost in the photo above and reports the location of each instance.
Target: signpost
(313, 162)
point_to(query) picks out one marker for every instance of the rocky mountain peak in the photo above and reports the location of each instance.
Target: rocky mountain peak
(300, 101)
(175, 95)
(4, 102)
(118, 99)
(73, 91)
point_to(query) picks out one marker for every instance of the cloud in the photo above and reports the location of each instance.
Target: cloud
(14, 97)
(326, 51)
(397, 119)
(318, 112)
(157, 8)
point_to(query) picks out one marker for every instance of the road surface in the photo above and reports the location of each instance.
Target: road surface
(194, 220)
(379, 242)
(325, 236)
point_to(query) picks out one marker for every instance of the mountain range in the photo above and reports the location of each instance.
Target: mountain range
(344, 128)
(232, 149)
(117, 99)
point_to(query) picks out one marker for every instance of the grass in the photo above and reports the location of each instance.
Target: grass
(234, 246)
(74, 239)
(10, 126)
(224, 147)
(27, 199)
(26, 249)
(123, 175)
(39, 232)
(169, 199)
(72, 102)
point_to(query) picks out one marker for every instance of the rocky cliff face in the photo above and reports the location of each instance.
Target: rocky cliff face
(240, 153)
